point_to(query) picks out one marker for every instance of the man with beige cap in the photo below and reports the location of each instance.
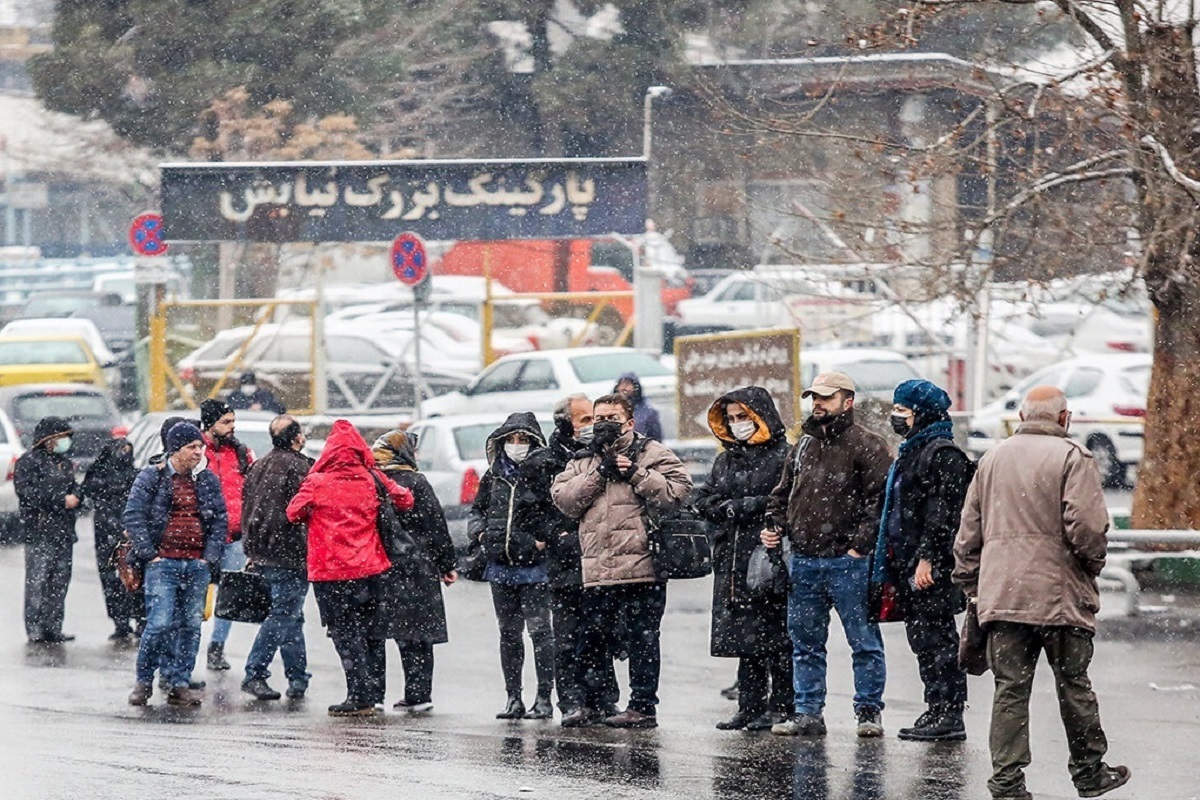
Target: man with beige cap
(1030, 545)
(828, 504)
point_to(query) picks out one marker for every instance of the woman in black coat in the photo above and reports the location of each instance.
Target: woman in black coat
(106, 487)
(411, 610)
(734, 499)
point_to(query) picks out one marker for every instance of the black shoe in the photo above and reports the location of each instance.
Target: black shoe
(295, 691)
(629, 718)
(121, 634)
(1109, 778)
(353, 708)
(193, 685)
(946, 726)
(737, 722)
(764, 722)
(259, 690)
(927, 717)
(800, 725)
(582, 717)
(58, 638)
(515, 708)
(216, 657)
(731, 692)
(542, 708)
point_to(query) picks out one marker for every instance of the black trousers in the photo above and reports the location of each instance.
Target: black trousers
(765, 683)
(347, 610)
(566, 606)
(417, 660)
(120, 605)
(47, 576)
(640, 606)
(934, 641)
(520, 606)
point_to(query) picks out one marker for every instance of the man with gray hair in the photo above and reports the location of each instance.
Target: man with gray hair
(1031, 542)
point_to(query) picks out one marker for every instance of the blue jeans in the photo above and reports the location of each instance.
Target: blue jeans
(819, 584)
(233, 559)
(283, 629)
(175, 592)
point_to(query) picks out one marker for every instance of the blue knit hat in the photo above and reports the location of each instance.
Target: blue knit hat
(922, 397)
(181, 435)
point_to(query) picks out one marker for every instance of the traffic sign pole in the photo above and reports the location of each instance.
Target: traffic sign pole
(410, 264)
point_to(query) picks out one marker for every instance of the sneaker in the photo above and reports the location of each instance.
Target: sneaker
(582, 717)
(542, 708)
(945, 726)
(737, 722)
(515, 708)
(140, 695)
(353, 709)
(414, 708)
(764, 722)
(800, 725)
(295, 691)
(259, 689)
(1109, 778)
(216, 657)
(632, 719)
(183, 696)
(869, 723)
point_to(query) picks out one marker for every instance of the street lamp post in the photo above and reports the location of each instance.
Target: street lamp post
(647, 280)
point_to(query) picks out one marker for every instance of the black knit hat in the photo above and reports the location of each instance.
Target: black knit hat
(48, 428)
(212, 410)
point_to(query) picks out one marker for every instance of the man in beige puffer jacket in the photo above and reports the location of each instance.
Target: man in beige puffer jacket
(610, 495)
(1031, 542)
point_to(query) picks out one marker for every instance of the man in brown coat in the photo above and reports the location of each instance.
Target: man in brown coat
(610, 492)
(1030, 545)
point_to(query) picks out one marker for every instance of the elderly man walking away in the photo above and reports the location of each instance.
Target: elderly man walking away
(1031, 543)
(827, 502)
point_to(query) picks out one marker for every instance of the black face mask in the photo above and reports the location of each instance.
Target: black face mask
(605, 433)
(900, 424)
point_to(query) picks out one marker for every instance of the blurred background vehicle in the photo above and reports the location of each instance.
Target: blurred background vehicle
(10, 450)
(1107, 397)
(92, 414)
(48, 359)
(64, 304)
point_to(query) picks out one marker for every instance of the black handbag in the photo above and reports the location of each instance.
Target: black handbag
(972, 643)
(473, 562)
(397, 542)
(679, 544)
(243, 597)
(766, 572)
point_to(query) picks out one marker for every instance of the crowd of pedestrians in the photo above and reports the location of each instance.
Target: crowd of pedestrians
(564, 529)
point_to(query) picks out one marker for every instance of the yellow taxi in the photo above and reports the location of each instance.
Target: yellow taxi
(48, 359)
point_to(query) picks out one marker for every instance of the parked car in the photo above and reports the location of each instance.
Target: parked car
(47, 359)
(64, 304)
(252, 429)
(1107, 398)
(535, 381)
(91, 412)
(10, 450)
(876, 373)
(365, 370)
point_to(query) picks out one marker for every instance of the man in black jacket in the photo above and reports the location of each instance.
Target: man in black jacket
(572, 434)
(922, 505)
(278, 549)
(49, 501)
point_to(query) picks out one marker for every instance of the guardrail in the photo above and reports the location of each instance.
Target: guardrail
(1119, 566)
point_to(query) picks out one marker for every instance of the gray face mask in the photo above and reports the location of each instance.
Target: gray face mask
(586, 434)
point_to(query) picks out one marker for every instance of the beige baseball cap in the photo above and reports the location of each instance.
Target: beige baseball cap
(828, 383)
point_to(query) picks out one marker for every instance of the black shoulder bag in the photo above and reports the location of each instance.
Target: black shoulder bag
(397, 542)
(679, 540)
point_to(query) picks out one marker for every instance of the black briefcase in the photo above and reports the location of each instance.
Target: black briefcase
(243, 597)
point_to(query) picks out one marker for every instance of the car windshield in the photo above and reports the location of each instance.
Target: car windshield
(48, 352)
(610, 366)
(70, 405)
(471, 440)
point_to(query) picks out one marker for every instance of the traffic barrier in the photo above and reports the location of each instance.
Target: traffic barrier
(1119, 568)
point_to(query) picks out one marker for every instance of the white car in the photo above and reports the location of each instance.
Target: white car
(10, 450)
(1107, 398)
(535, 381)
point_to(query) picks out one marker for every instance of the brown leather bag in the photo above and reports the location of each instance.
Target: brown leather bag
(130, 574)
(972, 643)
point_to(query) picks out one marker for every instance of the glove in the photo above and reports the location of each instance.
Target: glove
(608, 468)
(629, 471)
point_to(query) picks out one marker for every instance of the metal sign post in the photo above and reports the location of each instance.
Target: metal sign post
(410, 264)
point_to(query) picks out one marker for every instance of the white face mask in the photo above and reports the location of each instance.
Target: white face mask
(62, 445)
(586, 434)
(249, 388)
(743, 430)
(516, 452)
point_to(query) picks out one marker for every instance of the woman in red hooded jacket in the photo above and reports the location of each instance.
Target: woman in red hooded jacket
(339, 501)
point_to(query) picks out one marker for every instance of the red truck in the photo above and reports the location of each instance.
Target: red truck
(559, 265)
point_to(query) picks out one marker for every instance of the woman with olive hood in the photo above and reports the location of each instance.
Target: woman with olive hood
(750, 627)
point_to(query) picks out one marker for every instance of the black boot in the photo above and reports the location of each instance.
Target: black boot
(216, 657)
(515, 708)
(946, 726)
(926, 718)
(542, 708)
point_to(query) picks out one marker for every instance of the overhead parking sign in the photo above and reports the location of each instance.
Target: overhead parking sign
(409, 261)
(146, 235)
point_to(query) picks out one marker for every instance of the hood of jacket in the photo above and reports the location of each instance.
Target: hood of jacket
(522, 422)
(345, 449)
(637, 386)
(761, 408)
(47, 427)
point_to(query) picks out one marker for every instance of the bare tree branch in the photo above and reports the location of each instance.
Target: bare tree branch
(1190, 185)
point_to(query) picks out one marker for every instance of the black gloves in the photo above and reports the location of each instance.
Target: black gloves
(608, 468)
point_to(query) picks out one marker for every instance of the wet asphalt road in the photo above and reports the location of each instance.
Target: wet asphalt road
(66, 731)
